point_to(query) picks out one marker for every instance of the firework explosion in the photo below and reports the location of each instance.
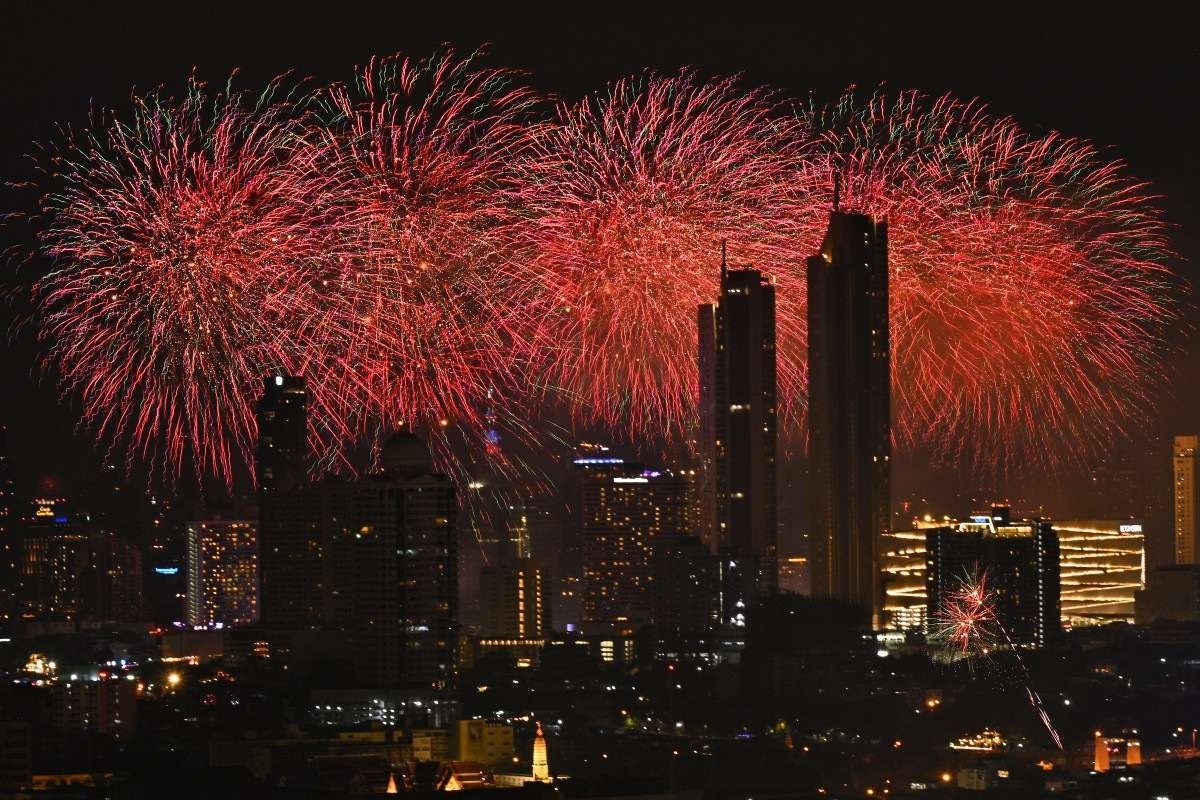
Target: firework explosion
(967, 621)
(174, 233)
(629, 196)
(425, 252)
(422, 312)
(1028, 279)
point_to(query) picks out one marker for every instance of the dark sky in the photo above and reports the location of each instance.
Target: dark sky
(1127, 83)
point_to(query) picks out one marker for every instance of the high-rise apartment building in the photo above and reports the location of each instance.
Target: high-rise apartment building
(1187, 499)
(377, 563)
(515, 601)
(222, 572)
(849, 385)
(622, 515)
(291, 554)
(685, 589)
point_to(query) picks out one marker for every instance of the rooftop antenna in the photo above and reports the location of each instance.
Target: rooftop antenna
(837, 191)
(724, 264)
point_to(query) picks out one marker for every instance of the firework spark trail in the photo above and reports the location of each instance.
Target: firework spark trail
(969, 624)
(421, 318)
(629, 195)
(171, 231)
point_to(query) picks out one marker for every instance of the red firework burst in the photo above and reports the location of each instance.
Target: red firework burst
(629, 196)
(174, 234)
(967, 616)
(422, 311)
(1029, 291)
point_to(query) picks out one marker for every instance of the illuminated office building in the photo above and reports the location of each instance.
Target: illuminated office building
(1102, 567)
(1187, 498)
(222, 572)
(849, 386)
(902, 567)
(738, 430)
(621, 515)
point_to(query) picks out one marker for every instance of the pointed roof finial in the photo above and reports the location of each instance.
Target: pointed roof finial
(837, 191)
(724, 264)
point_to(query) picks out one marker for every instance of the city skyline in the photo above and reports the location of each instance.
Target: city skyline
(651, 405)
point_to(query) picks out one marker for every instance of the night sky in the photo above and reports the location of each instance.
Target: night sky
(1128, 85)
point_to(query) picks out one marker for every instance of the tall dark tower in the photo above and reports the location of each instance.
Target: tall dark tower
(290, 560)
(737, 363)
(849, 389)
(10, 549)
(282, 434)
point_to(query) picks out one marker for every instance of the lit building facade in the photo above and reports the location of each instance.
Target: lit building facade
(902, 568)
(793, 574)
(622, 514)
(849, 390)
(70, 569)
(738, 429)
(515, 601)
(1187, 498)
(222, 572)
(1102, 567)
(489, 743)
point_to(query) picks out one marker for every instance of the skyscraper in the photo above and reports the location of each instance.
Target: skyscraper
(622, 515)
(222, 572)
(738, 428)
(1187, 499)
(282, 434)
(291, 555)
(10, 550)
(849, 409)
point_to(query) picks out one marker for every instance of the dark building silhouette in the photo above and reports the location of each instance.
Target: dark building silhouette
(1020, 562)
(282, 434)
(10, 549)
(849, 409)
(684, 572)
(373, 560)
(291, 555)
(738, 429)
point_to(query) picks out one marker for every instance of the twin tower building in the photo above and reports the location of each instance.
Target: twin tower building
(849, 422)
